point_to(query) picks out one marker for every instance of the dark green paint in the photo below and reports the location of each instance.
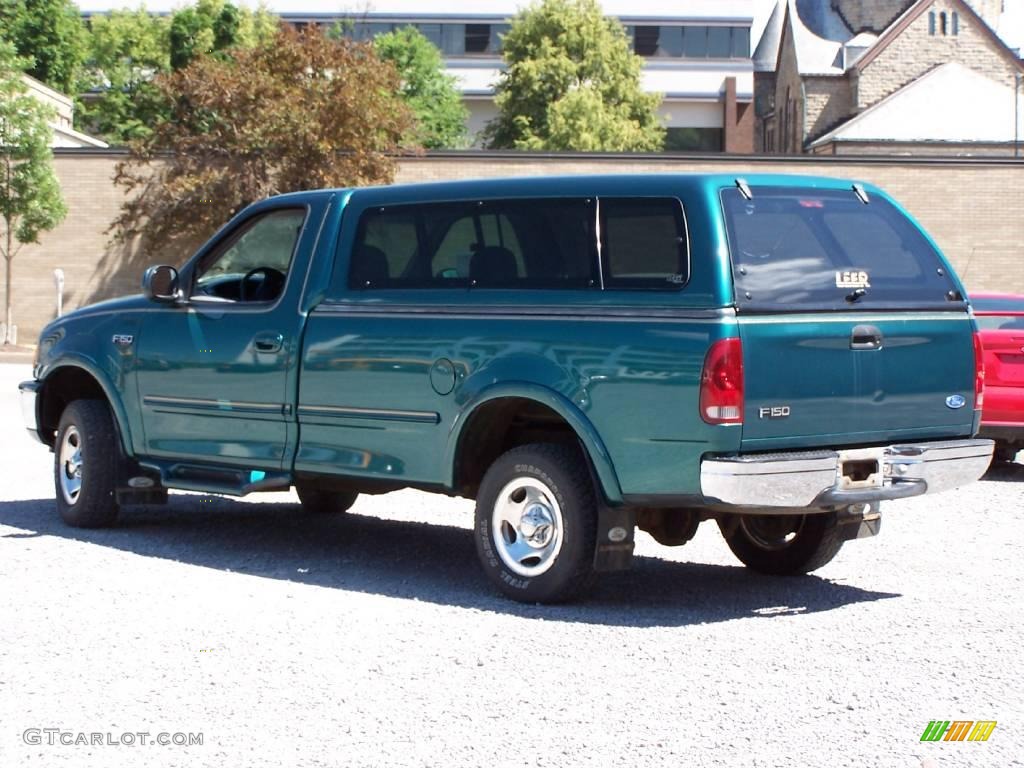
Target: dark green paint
(621, 367)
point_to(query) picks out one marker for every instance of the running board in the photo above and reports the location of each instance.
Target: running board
(229, 481)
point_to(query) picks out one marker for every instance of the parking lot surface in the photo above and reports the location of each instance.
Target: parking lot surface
(372, 639)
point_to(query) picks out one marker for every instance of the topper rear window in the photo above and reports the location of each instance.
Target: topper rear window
(805, 248)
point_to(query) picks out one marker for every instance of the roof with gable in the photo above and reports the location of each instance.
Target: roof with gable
(931, 109)
(819, 35)
(914, 12)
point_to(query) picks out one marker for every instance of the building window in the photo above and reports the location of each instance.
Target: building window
(452, 39)
(693, 139)
(931, 23)
(478, 38)
(645, 40)
(690, 41)
(943, 23)
(956, 23)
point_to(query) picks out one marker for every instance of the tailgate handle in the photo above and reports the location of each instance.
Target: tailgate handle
(865, 337)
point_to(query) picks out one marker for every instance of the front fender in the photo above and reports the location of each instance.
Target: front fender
(110, 392)
(600, 460)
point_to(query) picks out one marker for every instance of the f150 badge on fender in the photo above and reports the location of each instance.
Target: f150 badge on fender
(122, 339)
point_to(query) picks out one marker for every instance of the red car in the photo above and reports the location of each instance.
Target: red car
(1001, 322)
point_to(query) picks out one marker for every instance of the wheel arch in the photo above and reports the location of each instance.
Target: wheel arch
(75, 379)
(474, 416)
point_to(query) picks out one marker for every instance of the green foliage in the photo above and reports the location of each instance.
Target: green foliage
(127, 48)
(429, 92)
(214, 27)
(572, 83)
(51, 35)
(30, 196)
(298, 112)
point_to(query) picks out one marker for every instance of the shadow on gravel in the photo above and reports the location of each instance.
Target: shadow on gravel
(1003, 471)
(433, 563)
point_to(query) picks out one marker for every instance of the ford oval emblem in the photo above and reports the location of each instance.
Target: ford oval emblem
(956, 401)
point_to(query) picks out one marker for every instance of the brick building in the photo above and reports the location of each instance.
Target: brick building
(876, 76)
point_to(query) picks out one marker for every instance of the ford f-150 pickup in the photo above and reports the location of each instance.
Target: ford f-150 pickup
(582, 356)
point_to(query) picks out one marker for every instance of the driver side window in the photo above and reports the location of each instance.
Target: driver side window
(252, 264)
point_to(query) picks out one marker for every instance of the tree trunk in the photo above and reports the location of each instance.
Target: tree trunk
(8, 333)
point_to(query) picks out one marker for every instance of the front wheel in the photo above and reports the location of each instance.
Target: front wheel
(536, 523)
(783, 545)
(85, 465)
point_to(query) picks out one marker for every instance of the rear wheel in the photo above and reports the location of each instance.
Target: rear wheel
(783, 545)
(1005, 452)
(321, 502)
(536, 523)
(85, 465)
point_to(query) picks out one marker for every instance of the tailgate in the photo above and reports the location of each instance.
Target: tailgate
(814, 380)
(854, 329)
(1004, 374)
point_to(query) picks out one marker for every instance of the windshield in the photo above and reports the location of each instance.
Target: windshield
(804, 248)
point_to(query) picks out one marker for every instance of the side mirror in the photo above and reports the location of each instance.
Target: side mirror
(160, 283)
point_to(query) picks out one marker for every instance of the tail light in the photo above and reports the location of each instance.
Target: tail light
(979, 372)
(721, 383)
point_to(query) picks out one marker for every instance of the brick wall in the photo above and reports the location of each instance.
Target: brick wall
(915, 52)
(971, 207)
(828, 100)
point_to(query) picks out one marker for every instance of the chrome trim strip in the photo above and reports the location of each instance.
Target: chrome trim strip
(378, 414)
(592, 312)
(814, 478)
(237, 406)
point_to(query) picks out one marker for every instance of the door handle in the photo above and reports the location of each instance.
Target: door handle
(865, 337)
(269, 342)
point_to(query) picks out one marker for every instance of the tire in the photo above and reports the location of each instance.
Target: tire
(1004, 453)
(322, 502)
(783, 545)
(85, 460)
(536, 523)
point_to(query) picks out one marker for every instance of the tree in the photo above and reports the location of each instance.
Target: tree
(572, 83)
(214, 27)
(126, 50)
(429, 92)
(51, 35)
(30, 198)
(301, 111)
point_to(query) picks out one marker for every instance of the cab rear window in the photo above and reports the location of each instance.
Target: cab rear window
(805, 248)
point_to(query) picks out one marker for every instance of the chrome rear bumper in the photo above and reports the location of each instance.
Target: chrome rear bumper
(822, 479)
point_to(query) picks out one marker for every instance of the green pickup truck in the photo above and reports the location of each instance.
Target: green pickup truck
(581, 355)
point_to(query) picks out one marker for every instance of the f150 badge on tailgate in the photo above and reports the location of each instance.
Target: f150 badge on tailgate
(773, 412)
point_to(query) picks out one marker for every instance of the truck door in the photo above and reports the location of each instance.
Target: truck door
(214, 370)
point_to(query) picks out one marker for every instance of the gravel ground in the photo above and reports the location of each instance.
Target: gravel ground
(372, 639)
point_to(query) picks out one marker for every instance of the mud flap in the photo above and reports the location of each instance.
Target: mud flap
(616, 527)
(859, 521)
